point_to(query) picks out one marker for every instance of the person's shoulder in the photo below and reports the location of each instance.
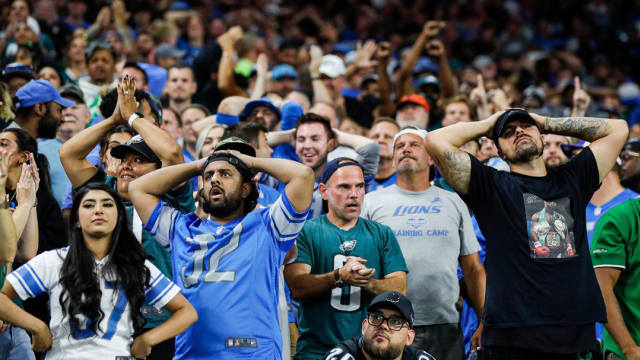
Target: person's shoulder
(347, 350)
(630, 207)
(415, 353)
(382, 192)
(373, 226)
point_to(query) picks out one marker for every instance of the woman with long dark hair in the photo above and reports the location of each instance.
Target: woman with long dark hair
(97, 287)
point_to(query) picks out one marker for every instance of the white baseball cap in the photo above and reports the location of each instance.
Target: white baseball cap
(332, 66)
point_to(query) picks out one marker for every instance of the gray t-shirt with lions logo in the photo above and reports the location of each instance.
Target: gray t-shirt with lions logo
(433, 228)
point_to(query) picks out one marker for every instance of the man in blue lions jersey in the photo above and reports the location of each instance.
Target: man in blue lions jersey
(227, 265)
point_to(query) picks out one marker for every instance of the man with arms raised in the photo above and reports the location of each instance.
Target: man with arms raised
(531, 303)
(228, 264)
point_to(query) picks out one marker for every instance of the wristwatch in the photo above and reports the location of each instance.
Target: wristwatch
(339, 282)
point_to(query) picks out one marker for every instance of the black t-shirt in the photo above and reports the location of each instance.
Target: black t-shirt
(352, 350)
(539, 270)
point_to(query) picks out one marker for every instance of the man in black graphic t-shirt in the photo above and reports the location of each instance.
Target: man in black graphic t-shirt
(539, 302)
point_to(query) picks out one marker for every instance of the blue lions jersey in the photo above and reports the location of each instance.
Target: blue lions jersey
(594, 213)
(229, 273)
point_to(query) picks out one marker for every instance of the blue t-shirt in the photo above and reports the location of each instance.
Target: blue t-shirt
(230, 274)
(94, 159)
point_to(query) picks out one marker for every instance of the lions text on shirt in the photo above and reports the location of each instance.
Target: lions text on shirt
(42, 275)
(230, 274)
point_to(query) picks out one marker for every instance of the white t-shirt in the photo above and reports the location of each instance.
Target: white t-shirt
(42, 274)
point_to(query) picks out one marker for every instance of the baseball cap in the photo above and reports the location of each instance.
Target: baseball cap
(428, 80)
(165, 50)
(425, 64)
(394, 300)
(507, 117)
(238, 144)
(96, 45)
(368, 78)
(283, 71)
(17, 70)
(409, 130)
(264, 101)
(138, 146)
(414, 99)
(332, 66)
(335, 164)
(40, 91)
(72, 91)
(567, 149)
(632, 145)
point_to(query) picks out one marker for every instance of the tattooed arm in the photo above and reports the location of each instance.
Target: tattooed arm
(607, 136)
(443, 147)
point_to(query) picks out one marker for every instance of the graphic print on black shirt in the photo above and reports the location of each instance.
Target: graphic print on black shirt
(550, 227)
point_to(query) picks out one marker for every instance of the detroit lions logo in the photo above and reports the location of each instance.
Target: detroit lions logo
(347, 246)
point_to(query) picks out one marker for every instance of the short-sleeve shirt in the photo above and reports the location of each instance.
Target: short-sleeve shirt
(335, 316)
(42, 275)
(616, 243)
(432, 227)
(229, 272)
(518, 214)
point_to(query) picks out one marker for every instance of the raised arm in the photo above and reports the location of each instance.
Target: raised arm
(162, 144)
(436, 49)
(25, 215)
(607, 136)
(262, 77)
(320, 92)
(443, 147)
(429, 30)
(387, 107)
(226, 82)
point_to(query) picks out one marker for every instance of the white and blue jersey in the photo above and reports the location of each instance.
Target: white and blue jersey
(229, 273)
(42, 275)
(594, 213)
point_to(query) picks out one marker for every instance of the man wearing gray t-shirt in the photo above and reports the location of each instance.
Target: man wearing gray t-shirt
(434, 230)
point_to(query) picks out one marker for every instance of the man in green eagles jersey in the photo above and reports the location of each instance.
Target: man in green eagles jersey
(615, 253)
(343, 262)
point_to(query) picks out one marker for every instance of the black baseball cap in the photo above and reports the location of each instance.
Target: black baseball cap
(17, 70)
(394, 300)
(336, 164)
(138, 146)
(72, 91)
(238, 144)
(100, 44)
(507, 117)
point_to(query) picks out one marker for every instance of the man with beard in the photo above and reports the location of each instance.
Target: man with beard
(382, 131)
(39, 109)
(552, 153)
(519, 320)
(343, 261)
(227, 265)
(433, 226)
(263, 112)
(387, 333)
(137, 157)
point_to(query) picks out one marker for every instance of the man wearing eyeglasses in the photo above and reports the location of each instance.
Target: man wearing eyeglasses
(630, 167)
(387, 333)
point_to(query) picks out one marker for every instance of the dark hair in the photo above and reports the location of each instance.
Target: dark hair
(310, 118)
(26, 142)
(247, 131)
(385, 119)
(81, 292)
(168, 109)
(136, 66)
(110, 100)
(104, 142)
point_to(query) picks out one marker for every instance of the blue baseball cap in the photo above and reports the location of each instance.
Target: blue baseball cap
(264, 101)
(17, 70)
(40, 91)
(425, 64)
(335, 164)
(283, 71)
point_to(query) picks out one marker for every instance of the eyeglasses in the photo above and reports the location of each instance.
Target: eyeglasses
(376, 319)
(627, 155)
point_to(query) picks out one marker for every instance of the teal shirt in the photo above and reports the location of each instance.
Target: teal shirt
(335, 316)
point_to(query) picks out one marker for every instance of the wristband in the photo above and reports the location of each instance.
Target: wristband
(546, 124)
(133, 116)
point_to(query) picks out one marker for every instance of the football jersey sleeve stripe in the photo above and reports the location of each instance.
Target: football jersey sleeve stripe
(159, 289)
(36, 277)
(22, 289)
(161, 223)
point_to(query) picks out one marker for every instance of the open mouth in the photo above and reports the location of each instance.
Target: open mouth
(215, 193)
(127, 177)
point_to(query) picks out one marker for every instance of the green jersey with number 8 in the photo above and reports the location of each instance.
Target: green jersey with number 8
(336, 316)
